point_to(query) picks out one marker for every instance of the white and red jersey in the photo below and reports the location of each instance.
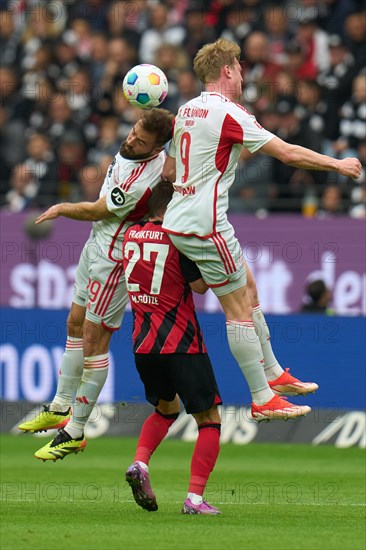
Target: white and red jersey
(209, 134)
(127, 187)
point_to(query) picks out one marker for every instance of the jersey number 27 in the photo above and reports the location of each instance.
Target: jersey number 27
(147, 248)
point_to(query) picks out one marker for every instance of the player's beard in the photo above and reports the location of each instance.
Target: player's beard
(126, 152)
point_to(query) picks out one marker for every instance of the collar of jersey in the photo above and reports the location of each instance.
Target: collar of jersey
(215, 93)
(139, 161)
(142, 223)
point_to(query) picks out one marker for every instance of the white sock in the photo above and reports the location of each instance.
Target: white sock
(74, 431)
(144, 466)
(195, 499)
(245, 346)
(272, 368)
(94, 376)
(71, 371)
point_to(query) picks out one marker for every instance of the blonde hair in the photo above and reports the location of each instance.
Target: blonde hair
(211, 58)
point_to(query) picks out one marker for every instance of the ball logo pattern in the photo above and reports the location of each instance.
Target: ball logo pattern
(145, 86)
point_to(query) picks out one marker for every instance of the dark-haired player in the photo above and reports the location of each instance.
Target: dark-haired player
(170, 354)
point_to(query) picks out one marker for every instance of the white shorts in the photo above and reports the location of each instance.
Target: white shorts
(219, 259)
(100, 286)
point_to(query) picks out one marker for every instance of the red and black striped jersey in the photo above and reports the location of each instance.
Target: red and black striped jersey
(161, 299)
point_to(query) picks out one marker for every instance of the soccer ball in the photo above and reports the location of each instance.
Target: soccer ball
(145, 86)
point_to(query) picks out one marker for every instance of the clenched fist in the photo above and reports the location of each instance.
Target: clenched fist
(350, 167)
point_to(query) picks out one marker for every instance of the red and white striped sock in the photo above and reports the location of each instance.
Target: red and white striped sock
(94, 376)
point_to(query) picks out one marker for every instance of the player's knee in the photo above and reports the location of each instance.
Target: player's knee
(211, 416)
(240, 312)
(74, 326)
(169, 418)
(76, 331)
(237, 304)
(91, 332)
(168, 408)
(253, 294)
(96, 338)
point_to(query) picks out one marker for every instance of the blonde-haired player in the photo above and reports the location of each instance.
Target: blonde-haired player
(209, 134)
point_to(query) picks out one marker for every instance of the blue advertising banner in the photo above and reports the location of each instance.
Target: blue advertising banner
(328, 350)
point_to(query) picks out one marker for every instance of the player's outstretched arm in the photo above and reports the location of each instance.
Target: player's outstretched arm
(84, 211)
(300, 157)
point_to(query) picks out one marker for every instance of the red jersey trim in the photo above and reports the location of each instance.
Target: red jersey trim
(217, 400)
(219, 95)
(105, 289)
(231, 132)
(113, 288)
(135, 174)
(243, 109)
(140, 208)
(219, 284)
(109, 329)
(214, 206)
(111, 246)
(224, 253)
(108, 290)
(133, 177)
(121, 185)
(204, 238)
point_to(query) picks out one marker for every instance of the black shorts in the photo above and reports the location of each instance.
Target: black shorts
(189, 375)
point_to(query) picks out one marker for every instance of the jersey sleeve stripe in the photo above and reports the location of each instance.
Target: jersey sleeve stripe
(124, 183)
(231, 132)
(134, 177)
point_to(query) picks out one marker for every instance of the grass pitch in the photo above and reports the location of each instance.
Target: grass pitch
(272, 496)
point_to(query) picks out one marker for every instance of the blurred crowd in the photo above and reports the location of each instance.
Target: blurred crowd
(63, 114)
